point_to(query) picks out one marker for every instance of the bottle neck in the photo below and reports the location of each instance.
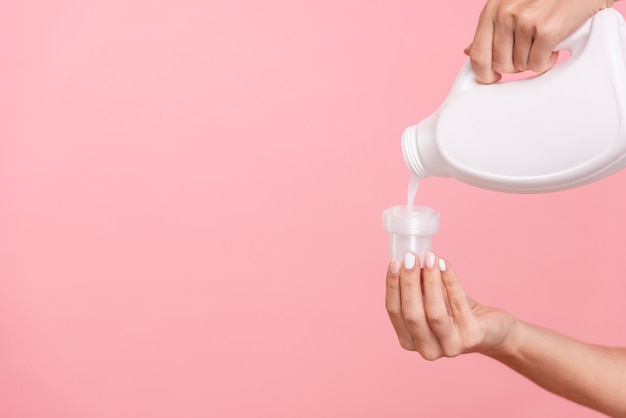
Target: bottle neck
(420, 150)
(411, 152)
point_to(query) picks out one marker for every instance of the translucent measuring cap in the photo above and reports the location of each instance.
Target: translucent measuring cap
(421, 220)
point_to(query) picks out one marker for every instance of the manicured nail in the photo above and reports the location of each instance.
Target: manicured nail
(442, 265)
(429, 260)
(394, 267)
(409, 261)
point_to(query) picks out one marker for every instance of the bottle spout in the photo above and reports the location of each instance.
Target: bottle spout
(411, 152)
(420, 150)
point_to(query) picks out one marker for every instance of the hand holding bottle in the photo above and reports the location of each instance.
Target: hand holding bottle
(519, 35)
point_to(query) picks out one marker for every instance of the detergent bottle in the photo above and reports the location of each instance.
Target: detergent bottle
(554, 131)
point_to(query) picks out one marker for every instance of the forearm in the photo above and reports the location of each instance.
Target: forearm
(432, 314)
(591, 375)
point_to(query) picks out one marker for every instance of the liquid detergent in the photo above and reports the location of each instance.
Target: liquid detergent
(554, 131)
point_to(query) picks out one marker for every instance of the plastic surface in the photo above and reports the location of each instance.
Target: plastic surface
(558, 130)
(410, 231)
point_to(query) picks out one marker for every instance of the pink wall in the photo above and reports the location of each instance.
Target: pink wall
(190, 215)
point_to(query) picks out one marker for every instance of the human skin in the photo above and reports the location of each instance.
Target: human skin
(519, 35)
(428, 307)
(432, 315)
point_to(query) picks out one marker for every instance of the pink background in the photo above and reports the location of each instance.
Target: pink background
(190, 215)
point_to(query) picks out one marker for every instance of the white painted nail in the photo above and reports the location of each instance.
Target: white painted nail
(442, 265)
(409, 261)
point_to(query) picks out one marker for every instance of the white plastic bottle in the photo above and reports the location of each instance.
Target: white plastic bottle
(558, 130)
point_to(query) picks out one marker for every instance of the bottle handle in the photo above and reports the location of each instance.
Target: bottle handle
(574, 43)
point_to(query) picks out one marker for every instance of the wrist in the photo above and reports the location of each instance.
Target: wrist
(510, 344)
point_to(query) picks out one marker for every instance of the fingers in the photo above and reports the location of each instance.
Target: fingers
(433, 315)
(503, 43)
(524, 35)
(412, 309)
(418, 308)
(394, 306)
(435, 306)
(518, 35)
(542, 58)
(481, 50)
(460, 304)
(429, 308)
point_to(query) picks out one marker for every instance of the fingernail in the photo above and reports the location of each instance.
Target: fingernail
(442, 265)
(429, 260)
(409, 261)
(394, 267)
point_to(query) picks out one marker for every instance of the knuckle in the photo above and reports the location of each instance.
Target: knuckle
(529, 16)
(520, 65)
(500, 68)
(538, 66)
(430, 354)
(526, 24)
(392, 308)
(411, 318)
(507, 14)
(406, 344)
(491, 7)
(392, 283)
(408, 282)
(437, 317)
(456, 303)
(449, 279)
(526, 30)
(451, 352)
(478, 58)
(548, 32)
(431, 279)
